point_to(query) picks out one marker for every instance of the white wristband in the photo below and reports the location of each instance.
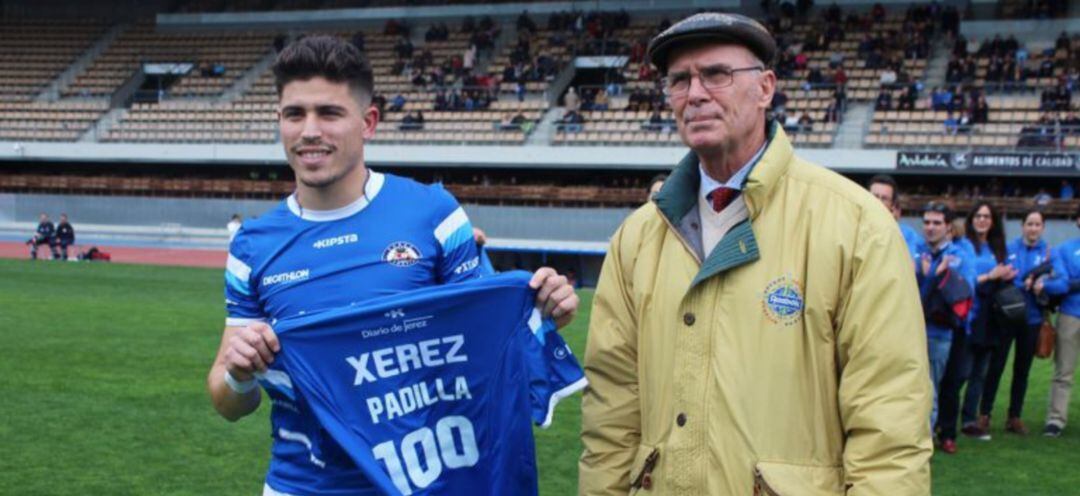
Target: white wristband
(241, 387)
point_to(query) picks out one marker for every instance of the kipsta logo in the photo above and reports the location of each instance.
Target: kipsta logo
(782, 300)
(402, 254)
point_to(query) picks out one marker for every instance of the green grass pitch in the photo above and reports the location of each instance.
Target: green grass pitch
(102, 385)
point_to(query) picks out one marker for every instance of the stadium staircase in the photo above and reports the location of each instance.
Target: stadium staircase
(852, 130)
(103, 125)
(52, 91)
(249, 78)
(937, 66)
(544, 132)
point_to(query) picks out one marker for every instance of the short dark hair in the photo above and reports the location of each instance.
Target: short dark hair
(329, 57)
(890, 182)
(941, 208)
(659, 178)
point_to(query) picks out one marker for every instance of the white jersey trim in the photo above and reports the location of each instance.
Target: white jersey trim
(450, 225)
(371, 189)
(241, 322)
(238, 268)
(558, 396)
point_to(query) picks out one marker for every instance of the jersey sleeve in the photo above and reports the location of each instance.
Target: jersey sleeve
(459, 258)
(554, 372)
(241, 302)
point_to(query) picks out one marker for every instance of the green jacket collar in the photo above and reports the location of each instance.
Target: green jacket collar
(738, 247)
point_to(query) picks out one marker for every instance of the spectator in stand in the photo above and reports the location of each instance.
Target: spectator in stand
(888, 77)
(412, 122)
(65, 237)
(571, 100)
(1042, 198)
(779, 100)
(980, 111)
(42, 236)
(832, 113)
(572, 122)
(600, 101)
(1065, 283)
(1066, 192)
(884, 100)
(1025, 253)
(805, 123)
(907, 99)
(397, 103)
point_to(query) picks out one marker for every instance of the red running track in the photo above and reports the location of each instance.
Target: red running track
(131, 255)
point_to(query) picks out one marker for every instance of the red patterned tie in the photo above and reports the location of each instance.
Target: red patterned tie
(721, 197)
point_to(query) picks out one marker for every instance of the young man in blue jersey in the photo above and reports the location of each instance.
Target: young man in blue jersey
(346, 235)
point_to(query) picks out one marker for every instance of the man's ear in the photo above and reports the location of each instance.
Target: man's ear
(768, 88)
(371, 120)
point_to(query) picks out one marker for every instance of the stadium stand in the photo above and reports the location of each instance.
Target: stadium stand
(34, 51)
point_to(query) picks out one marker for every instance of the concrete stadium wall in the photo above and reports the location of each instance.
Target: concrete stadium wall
(568, 224)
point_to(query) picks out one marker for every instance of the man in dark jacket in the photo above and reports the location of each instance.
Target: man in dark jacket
(65, 237)
(43, 235)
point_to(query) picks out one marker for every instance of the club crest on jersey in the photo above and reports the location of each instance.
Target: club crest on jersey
(402, 254)
(782, 301)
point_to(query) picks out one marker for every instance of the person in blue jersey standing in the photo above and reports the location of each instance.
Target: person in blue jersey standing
(884, 188)
(986, 232)
(346, 235)
(940, 260)
(983, 243)
(1064, 283)
(1025, 253)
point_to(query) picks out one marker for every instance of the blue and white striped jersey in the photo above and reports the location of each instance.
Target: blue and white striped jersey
(401, 235)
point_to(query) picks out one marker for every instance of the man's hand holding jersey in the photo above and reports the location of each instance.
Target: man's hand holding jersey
(555, 296)
(249, 350)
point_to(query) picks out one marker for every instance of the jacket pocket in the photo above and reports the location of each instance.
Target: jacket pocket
(785, 479)
(641, 470)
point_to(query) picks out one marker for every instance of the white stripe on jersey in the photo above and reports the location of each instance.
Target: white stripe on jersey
(241, 322)
(302, 439)
(559, 395)
(276, 377)
(238, 268)
(535, 321)
(450, 224)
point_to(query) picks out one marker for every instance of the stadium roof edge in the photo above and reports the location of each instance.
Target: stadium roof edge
(533, 157)
(378, 15)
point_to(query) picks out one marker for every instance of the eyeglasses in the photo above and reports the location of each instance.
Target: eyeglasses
(712, 78)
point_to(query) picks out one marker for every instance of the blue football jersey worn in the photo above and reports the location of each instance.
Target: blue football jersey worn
(432, 391)
(399, 236)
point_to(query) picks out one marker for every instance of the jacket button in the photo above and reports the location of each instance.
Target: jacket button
(688, 319)
(680, 419)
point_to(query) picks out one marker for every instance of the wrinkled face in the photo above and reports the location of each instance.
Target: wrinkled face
(982, 221)
(719, 119)
(1033, 228)
(323, 128)
(934, 227)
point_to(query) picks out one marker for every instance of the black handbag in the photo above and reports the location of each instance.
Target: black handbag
(1009, 305)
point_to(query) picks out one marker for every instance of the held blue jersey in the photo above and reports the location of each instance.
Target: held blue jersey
(433, 391)
(399, 236)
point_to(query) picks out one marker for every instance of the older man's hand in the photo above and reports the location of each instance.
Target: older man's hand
(555, 296)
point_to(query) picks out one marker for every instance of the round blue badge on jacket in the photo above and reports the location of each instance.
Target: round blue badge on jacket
(782, 301)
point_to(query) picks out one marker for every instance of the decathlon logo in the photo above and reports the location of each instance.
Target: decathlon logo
(296, 275)
(402, 254)
(344, 239)
(396, 313)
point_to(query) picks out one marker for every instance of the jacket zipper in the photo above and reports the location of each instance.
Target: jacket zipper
(644, 478)
(762, 488)
(681, 239)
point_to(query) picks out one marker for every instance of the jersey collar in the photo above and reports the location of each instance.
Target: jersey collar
(371, 189)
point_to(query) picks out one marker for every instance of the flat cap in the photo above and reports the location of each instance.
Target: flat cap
(721, 27)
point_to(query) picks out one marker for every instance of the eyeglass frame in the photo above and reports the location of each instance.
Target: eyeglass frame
(669, 92)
